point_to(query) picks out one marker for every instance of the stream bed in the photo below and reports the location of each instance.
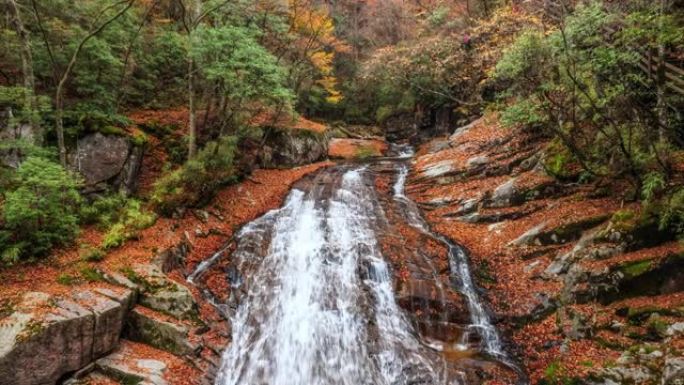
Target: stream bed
(314, 298)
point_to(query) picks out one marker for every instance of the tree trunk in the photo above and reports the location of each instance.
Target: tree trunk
(30, 100)
(191, 25)
(192, 121)
(661, 104)
(59, 94)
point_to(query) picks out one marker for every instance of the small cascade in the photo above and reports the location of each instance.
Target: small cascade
(460, 269)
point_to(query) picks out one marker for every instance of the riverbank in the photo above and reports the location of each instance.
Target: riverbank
(138, 272)
(582, 290)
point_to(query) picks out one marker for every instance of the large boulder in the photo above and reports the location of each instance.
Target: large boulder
(285, 148)
(107, 161)
(49, 336)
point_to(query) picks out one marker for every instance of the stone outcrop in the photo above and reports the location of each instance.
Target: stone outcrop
(131, 370)
(107, 161)
(49, 336)
(283, 148)
(163, 294)
(160, 332)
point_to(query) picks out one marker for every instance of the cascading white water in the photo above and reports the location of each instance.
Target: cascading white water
(320, 308)
(459, 266)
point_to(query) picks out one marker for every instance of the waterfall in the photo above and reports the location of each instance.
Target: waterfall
(319, 307)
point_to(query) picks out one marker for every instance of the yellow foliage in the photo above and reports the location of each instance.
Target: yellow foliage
(329, 84)
(315, 34)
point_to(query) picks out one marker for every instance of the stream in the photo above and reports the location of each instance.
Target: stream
(313, 298)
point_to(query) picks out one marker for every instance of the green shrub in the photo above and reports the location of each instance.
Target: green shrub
(103, 211)
(522, 113)
(558, 159)
(524, 58)
(40, 211)
(92, 254)
(131, 220)
(91, 275)
(197, 180)
(654, 183)
(66, 279)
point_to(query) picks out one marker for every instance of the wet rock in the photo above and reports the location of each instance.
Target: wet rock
(130, 370)
(163, 294)
(675, 329)
(461, 130)
(439, 202)
(629, 374)
(531, 266)
(92, 377)
(575, 325)
(471, 218)
(468, 206)
(562, 262)
(570, 231)
(540, 305)
(143, 326)
(51, 336)
(119, 279)
(530, 163)
(438, 145)
(429, 297)
(504, 194)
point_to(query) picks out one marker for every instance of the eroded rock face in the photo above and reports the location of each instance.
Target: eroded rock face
(105, 160)
(51, 336)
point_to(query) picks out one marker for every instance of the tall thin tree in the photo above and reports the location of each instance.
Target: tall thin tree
(59, 94)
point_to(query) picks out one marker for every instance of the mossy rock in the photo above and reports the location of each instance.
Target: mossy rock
(159, 333)
(571, 231)
(638, 315)
(636, 268)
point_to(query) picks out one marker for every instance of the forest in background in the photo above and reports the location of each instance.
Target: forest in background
(238, 66)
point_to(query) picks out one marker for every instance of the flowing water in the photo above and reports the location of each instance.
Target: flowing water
(314, 298)
(481, 322)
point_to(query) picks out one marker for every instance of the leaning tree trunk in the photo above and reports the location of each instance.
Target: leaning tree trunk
(30, 101)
